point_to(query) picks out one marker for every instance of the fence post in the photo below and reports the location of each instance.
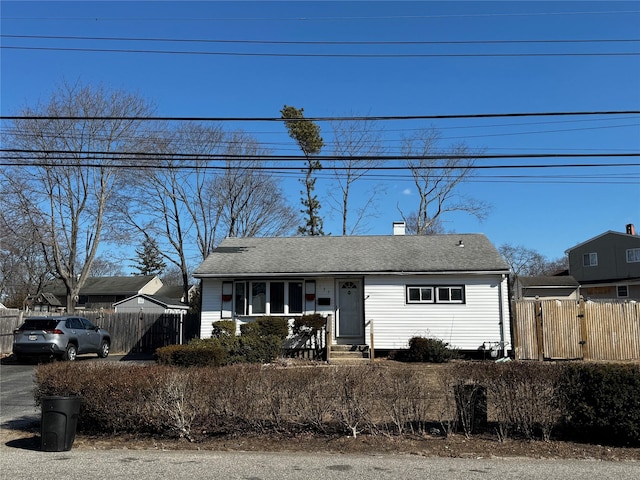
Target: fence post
(372, 351)
(582, 312)
(329, 335)
(539, 330)
(515, 332)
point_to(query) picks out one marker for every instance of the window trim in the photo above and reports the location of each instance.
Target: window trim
(450, 288)
(592, 259)
(420, 288)
(435, 297)
(626, 287)
(633, 255)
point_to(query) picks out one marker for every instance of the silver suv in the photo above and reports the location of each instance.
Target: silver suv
(64, 337)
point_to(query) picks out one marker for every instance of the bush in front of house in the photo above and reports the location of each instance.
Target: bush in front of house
(310, 323)
(259, 342)
(431, 350)
(602, 402)
(265, 327)
(223, 328)
(195, 353)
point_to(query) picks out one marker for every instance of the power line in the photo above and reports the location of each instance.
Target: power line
(324, 119)
(308, 19)
(322, 55)
(323, 42)
(225, 156)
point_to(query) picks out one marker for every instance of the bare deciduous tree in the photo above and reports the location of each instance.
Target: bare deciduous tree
(526, 262)
(68, 172)
(438, 174)
(357, 142)
(184, 202)
(250, 202)
(24, 270)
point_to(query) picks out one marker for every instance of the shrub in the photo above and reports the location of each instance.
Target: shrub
(267, 326)
(310, 323)
(198, 353)
(223, 328)
(255, 349)
(602, 402)
(430, 350)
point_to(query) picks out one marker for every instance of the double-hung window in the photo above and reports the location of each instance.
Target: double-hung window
(268, 298)
(633, 255)
(590, 259)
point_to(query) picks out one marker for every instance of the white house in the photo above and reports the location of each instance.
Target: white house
(452, 287)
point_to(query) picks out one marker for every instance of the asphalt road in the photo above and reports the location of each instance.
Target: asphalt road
(23, 459)
(18, 464)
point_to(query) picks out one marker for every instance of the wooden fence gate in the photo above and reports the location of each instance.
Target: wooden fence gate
(569, 330)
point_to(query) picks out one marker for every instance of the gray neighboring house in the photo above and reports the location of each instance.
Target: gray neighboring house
(99, 292)
(547, 287)
(453, 287)
(169, 299)
(46, 302)
(608, 266)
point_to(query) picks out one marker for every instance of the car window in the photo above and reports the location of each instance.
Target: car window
(74, 323)
(39, 324)
(87, 324)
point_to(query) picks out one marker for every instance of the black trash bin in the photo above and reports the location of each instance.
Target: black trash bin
(58, 423)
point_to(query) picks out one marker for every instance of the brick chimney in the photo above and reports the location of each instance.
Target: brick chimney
(631, 229)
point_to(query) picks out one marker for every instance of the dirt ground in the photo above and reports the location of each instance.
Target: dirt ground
(478, 446)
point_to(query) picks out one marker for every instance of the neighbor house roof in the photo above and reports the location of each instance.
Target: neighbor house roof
(123, 285)
(165, 302)
(353, 255)
(607, 233)
(559, 281)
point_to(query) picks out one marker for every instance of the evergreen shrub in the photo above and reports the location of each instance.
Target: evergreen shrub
(430, 350)
(602, 402)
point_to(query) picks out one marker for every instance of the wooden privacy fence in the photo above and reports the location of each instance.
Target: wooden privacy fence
(569, 330)
(10, 319)
(130, 332)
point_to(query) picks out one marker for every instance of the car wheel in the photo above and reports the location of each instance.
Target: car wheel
(71, 353)
(104, 349)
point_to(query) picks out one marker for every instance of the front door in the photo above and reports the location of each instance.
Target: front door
(350, 320)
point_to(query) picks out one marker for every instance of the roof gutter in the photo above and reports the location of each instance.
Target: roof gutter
(345, 274)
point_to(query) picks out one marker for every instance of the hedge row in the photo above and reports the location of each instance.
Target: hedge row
(600, 403)
(259, 342)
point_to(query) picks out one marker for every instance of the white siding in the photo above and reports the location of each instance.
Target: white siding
(211, 305)
(325, 288)
(464, 326)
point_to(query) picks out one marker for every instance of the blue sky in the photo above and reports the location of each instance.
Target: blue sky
(547, 210)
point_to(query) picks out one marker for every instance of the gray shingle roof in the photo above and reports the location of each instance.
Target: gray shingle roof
(352, 255)
(123, 285)
(549, 281)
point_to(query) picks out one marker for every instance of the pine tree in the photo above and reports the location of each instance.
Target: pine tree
(149, 258)
(307, 134)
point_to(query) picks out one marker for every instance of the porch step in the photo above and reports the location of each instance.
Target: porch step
(349, 354)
